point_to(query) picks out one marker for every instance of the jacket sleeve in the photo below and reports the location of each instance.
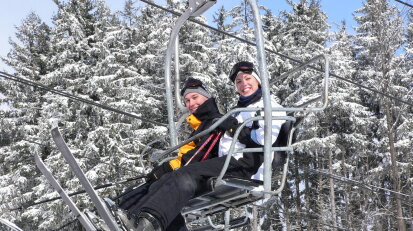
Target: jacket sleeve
(183, 151)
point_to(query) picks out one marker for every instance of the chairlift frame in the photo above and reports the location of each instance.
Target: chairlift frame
(244, 191)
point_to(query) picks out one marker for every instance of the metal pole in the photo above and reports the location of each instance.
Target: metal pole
(265, 95)
(178, 100)
(168, 94)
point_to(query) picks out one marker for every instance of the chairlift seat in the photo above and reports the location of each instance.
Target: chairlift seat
(234, 223)
(223, 197)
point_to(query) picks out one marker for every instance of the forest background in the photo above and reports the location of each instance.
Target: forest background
(352, 168)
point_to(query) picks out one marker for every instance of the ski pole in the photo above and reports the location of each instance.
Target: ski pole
(200, 149)
(211, 146)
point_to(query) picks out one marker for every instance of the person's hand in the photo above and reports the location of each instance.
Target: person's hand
(158, 171)
(229, 124)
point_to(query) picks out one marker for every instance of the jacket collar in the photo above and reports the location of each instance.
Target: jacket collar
(208, 110)
(254, 99)
(193, 121)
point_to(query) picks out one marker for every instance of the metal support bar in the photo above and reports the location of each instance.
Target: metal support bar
(324, 92)
(178, 99)
(213, 225)
(200, 6)
(265, 93)
(227, 219)
(232, 147)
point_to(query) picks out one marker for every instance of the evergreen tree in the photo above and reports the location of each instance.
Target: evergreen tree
(304, 35)
(347, 119)
(129, 13)
(20, 125)
(379, 36)
(219, 19)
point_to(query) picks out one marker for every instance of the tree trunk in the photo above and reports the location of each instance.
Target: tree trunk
(332, 193)
(395, 173)
(346, 195)
(297, 190)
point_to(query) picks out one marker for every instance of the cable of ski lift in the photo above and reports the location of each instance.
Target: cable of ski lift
(76, 98)
(344, 179)
(279, 54)
(353, 182)
(404, 3)
(107, 185)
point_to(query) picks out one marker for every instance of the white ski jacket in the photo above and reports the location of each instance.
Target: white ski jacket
(257, 135)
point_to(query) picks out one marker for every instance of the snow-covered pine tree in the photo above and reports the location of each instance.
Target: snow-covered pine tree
(219, 19)
(349, 120)
(304, 35)
(122, 82)
(20, 125)
(92, 59)
(408, 82)
(71, 66)
(113, 141)
(129, 13)
(379, 37)
(403, 133)
(272, 27)
(223, 58)
(146, 43)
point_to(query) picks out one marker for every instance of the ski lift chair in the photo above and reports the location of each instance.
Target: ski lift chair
(227, 193)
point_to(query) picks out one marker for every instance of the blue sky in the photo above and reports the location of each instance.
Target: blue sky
(13, 12)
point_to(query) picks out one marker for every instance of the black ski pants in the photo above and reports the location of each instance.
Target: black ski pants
(166, 197)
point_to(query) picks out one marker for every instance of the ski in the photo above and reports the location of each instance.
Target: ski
(9, 225)
(46, 172)
(99, 204)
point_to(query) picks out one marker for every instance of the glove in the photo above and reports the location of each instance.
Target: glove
(157, 172)
(228, 124)
(245, 137)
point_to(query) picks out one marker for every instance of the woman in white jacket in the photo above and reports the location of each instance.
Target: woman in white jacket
(248, 85)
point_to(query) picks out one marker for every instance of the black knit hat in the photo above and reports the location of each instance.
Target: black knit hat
(194, 85)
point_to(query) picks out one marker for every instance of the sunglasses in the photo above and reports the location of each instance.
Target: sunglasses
(244, 66)
(192, 84)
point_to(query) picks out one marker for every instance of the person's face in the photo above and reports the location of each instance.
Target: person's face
(194, 100)
(246, 84)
